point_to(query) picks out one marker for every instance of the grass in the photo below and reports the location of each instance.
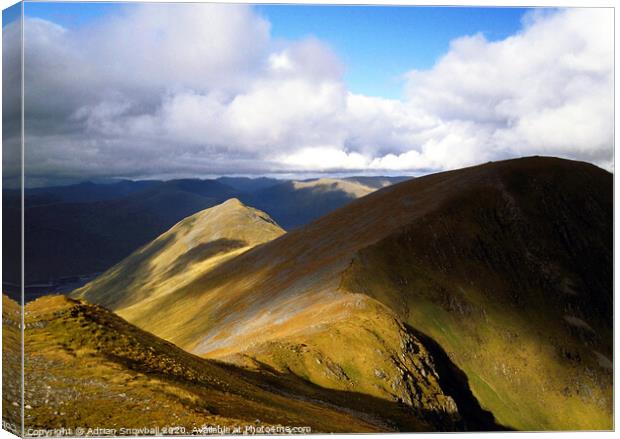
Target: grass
(369, 352)
(11, 362)
(509, 350)
(87, 367)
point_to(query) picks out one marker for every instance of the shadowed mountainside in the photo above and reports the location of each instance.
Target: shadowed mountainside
(506, 266)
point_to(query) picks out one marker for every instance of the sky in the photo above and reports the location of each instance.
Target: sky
(379, 44)
(198, 90)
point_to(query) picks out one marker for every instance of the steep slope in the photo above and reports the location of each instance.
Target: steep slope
(86, 367)
(514, 280)
(503, 270)
(189, 249)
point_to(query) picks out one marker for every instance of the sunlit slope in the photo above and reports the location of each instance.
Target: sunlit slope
(189, 249)
(86, 367)
(506, 265)
(366, 350)
(351, 188)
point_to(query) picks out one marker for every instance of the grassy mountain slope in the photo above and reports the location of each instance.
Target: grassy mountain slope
(514, 280)
(86, 367)
(503, 270)
(396, 368)
(189, 249)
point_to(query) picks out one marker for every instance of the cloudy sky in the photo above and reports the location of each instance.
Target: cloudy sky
(170, 90)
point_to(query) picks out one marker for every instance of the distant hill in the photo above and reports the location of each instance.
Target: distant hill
(69, 239)
(249, 185)
(73, 232)
(296, 203)
(377, 182)
(86, 367)
(503, 272)
(86, 192)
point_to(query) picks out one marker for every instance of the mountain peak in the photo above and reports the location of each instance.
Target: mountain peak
(191, 248)
(229, 216)
(233, 202)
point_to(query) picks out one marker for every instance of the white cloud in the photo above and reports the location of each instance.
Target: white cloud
(323, 158)
(203, 89)
(546, 90)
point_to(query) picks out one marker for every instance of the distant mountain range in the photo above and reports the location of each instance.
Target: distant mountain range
(474, 299)
(76, 231)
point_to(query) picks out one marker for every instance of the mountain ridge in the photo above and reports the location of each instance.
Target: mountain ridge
(398, 249)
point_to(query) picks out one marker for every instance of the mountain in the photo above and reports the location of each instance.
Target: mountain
(85, 192)
(69, 239)
(249, 185)
(86, 367)
(189, 249)
(74, 232)
(503, 272)
(296, 203)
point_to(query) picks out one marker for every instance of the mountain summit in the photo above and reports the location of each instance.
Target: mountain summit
(189, 249)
